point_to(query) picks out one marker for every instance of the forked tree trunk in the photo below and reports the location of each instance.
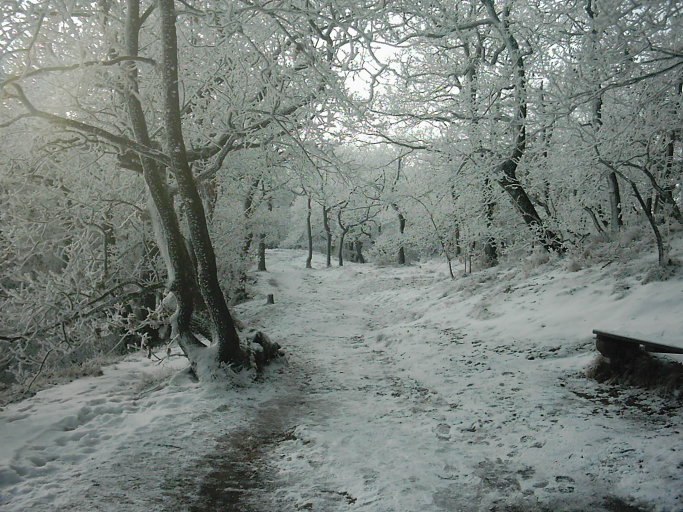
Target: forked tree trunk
(508, 168)
(167, 228)
(225, 333)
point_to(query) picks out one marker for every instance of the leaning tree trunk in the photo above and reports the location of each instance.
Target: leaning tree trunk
(508, 168)
(661, 252)
(167, 228)
(225, 333)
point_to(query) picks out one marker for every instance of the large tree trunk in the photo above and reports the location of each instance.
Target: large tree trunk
(225, 333)
(262, 242)
(167, 228)
(616, 221)
(340, 253)
(665, 193)
(508, 168)
(240, 291)
(471, 76)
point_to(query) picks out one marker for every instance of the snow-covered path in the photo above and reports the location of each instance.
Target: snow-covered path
(411, 413)
(402, 391)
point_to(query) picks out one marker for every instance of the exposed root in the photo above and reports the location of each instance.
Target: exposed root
(263, 349)
(204, 362)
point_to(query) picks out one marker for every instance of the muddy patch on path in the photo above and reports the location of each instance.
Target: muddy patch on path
(238, 477)
(238, 473)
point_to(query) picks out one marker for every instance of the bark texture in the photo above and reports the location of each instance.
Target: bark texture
(169, 236)
(229, 348)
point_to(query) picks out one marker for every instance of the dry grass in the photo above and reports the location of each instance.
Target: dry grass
(52, 377)
(647, 371)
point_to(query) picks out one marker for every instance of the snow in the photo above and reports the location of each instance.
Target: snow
(402, 391)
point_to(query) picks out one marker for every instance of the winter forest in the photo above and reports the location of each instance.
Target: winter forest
(331, 255)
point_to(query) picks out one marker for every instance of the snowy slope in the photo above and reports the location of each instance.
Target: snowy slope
(403, 391)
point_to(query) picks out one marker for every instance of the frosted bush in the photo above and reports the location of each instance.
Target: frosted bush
(70, 254)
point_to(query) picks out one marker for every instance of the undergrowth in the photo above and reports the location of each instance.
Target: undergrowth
(665, 377)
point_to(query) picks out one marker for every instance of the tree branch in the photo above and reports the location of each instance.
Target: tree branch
(117, 140)
(72, 67)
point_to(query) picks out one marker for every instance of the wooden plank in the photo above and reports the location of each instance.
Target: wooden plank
(649, 346)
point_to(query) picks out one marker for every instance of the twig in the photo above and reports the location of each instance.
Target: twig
(39, 370)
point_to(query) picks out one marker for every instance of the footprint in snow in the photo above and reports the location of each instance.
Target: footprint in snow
(443, 431)
(17, 417)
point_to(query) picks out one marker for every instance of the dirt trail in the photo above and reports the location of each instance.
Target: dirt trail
(238, 471)
(241, 478)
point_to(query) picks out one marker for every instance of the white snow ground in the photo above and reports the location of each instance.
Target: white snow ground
(403, 391)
